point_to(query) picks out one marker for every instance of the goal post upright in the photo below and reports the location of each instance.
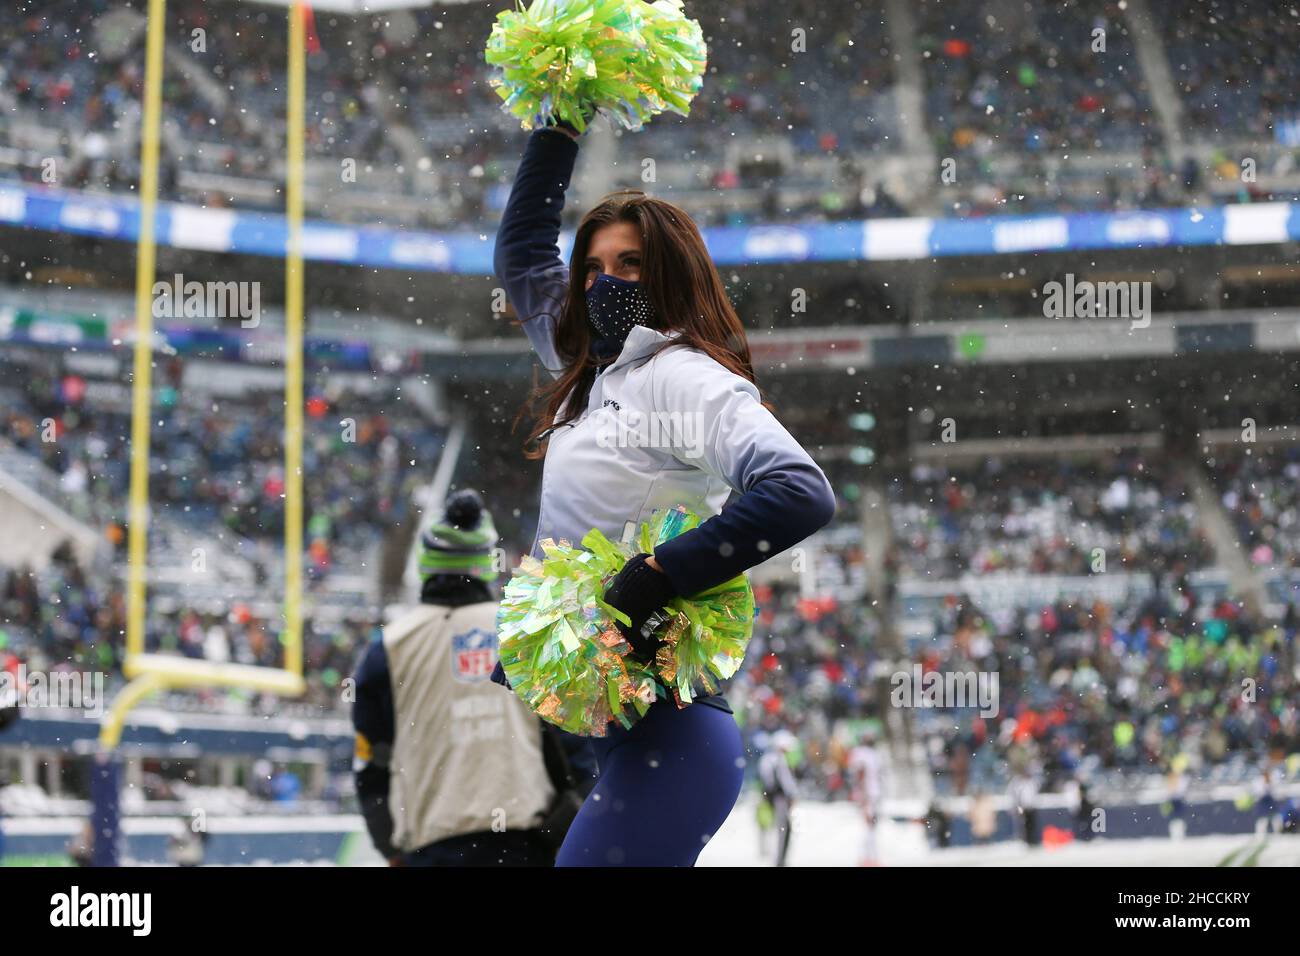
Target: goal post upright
(141, 382)
(293, 331)
(151, 673)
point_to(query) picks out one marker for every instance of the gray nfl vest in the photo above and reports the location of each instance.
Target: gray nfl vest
(467, 753)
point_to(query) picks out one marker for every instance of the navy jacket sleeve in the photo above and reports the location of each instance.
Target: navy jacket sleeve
(527, 253)
(374, 721)
(783, 496)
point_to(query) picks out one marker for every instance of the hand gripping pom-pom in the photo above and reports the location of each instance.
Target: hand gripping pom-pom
(564, 656)
(562, 59)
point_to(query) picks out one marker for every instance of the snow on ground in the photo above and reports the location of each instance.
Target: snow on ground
(831, 834)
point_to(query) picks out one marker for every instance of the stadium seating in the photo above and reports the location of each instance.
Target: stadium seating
(1035, 118)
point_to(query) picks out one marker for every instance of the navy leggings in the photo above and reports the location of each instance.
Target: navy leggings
(665, 787)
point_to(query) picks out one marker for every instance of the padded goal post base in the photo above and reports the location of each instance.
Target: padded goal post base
(188, 672)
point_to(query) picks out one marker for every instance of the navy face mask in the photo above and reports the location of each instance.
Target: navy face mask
(614, 306)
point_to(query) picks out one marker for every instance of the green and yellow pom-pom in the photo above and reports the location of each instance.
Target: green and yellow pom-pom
(566, 659)
(561, 59)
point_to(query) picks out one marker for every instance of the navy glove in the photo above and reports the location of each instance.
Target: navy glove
(639, 591)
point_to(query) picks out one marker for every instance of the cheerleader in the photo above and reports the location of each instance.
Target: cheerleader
(653, 404)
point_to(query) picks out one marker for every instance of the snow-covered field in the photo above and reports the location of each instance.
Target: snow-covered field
(825, 834)
(832, 835)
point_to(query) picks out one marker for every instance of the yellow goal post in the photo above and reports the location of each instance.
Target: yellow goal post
(154, 672)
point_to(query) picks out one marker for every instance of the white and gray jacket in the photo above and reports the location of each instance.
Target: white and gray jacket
(663, 425)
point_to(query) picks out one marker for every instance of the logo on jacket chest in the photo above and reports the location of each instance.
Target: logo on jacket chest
(473, 655)
(678, 433)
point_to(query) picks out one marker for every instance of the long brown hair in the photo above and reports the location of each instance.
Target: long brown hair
(682, 284)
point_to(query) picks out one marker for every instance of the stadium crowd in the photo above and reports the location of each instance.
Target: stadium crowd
(1046, 518)
(1089, 691)
(1036, 83)
(1261, 491)
(216, 481)
(1223, 93)
(407, 95)
(219, 464)
(70, 618)
(1090, 687)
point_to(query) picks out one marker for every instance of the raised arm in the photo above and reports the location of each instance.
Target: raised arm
(527, 254)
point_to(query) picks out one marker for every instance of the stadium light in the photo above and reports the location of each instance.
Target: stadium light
(862, 454)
